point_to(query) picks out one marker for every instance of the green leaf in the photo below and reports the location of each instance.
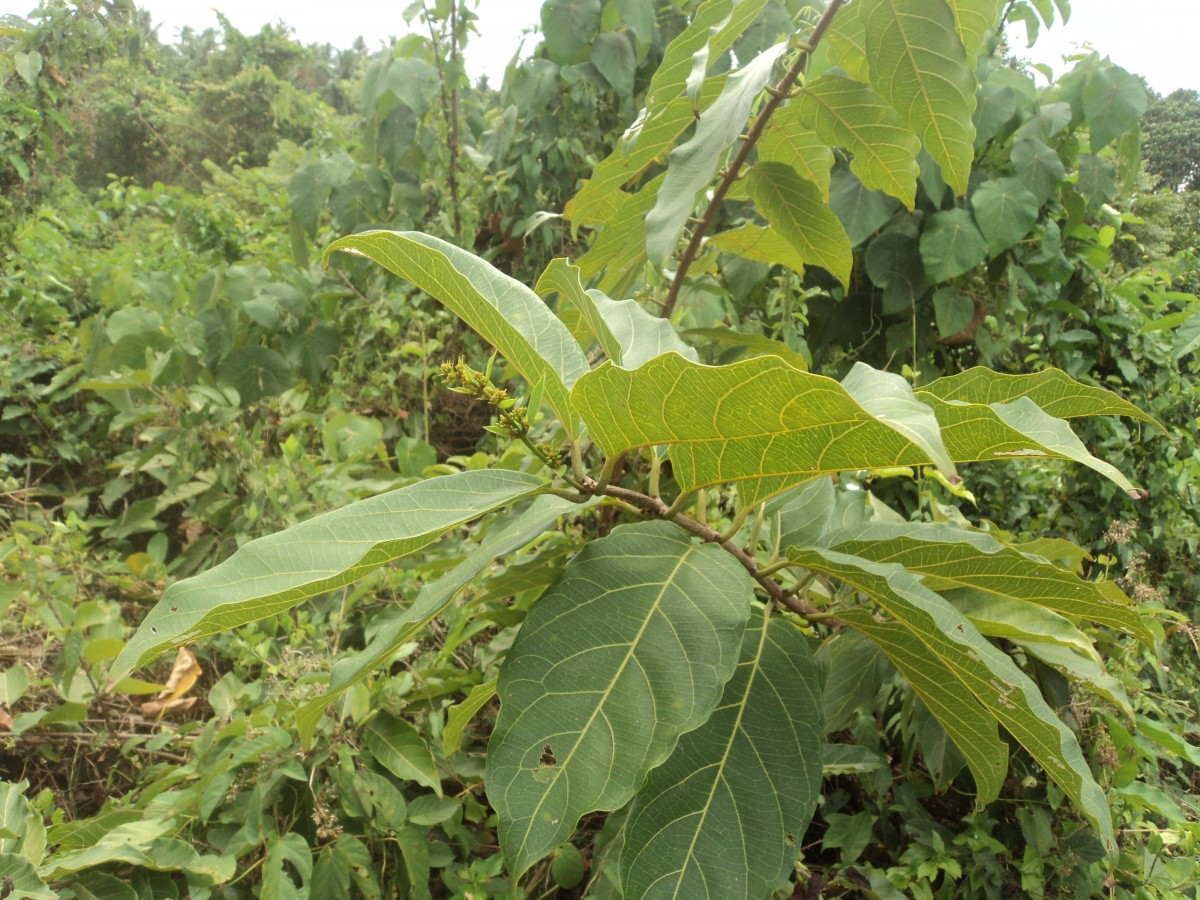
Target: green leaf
(277, 881)
(972, 20)
(28, 66)
(264, 578)
(254, 372)
(894, 263)
(724, 815)
(890, 399)
(756, 344)
(308, 191)
(850, 114)
(951, 245)
(788, 140)
(505, 312)
(504, 537)
(989, 674)
(613, 54)
(860, 211)
(712, 416)
(692, 164)
(918, 65)
(855, 671)
(969, 725)
(22, 831)
(954, 310)
(950, 558)
(997, 104)
(620, 249)
(1052, 389)
(1038, 167)
(460, 714)
(399, 748)
(759, 243)
(1004, 211)
(1113, 102)
(630, 649)
(628, 334)
(569, 27)
(796, 209)
(19, 872)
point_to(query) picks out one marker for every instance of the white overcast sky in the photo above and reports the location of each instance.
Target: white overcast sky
(1154, 38)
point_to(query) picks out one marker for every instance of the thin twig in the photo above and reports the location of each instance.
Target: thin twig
(733, 170)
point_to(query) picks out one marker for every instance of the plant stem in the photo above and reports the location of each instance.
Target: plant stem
(775, 96)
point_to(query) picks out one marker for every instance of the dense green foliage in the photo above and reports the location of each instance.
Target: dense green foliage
(644, 399)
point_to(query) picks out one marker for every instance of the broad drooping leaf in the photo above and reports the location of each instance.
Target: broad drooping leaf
(795, 208)
(274, 573)
(504, 536)
(990, 675)
(627, 333)
(1037, 167)
(918, 65)
(510, 316)
(1053, 390)
(692, 164)
(630, 649)
(619, 251)
(723, 817)
(952, 558)
(569, 27)
(968, 724)
(711, 416)
(1004, 211)
(894, 263)
(851, 115)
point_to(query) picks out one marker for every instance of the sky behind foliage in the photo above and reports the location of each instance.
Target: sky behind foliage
(1154, 38)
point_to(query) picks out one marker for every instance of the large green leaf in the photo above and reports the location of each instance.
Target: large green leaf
(760, 422)
(764, 425)
(1004, 211)
(760, 243)
(951, 245)
(894, 264)
(969, 725)
(510, 316)
(1037, 167)
(630, 649)
(723, 817)
(989, 674)
(850, 114)
(795, 207)
(692, 164)
(628, 334)
(918, 65)
(1113, 102)
(276, 572)
(972, 20)
(399, 748)
(788, 140)
(569, 27)
(1053, 390)
(950, 558)
(620, 249)
(504, 537)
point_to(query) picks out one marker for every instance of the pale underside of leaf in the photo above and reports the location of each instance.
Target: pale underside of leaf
(968, 724)
(274, 573)
(1052, 389)
(629, 650)
(761, 243)
(620, 249)
(510, 316)
(972, 21)
(627, 333)
(724, 815)
(506, 535)
(990, 675)
(951, 558)
(849, 114)
(788, 140)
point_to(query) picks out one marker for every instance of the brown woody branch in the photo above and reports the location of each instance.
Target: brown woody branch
(777, 94)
